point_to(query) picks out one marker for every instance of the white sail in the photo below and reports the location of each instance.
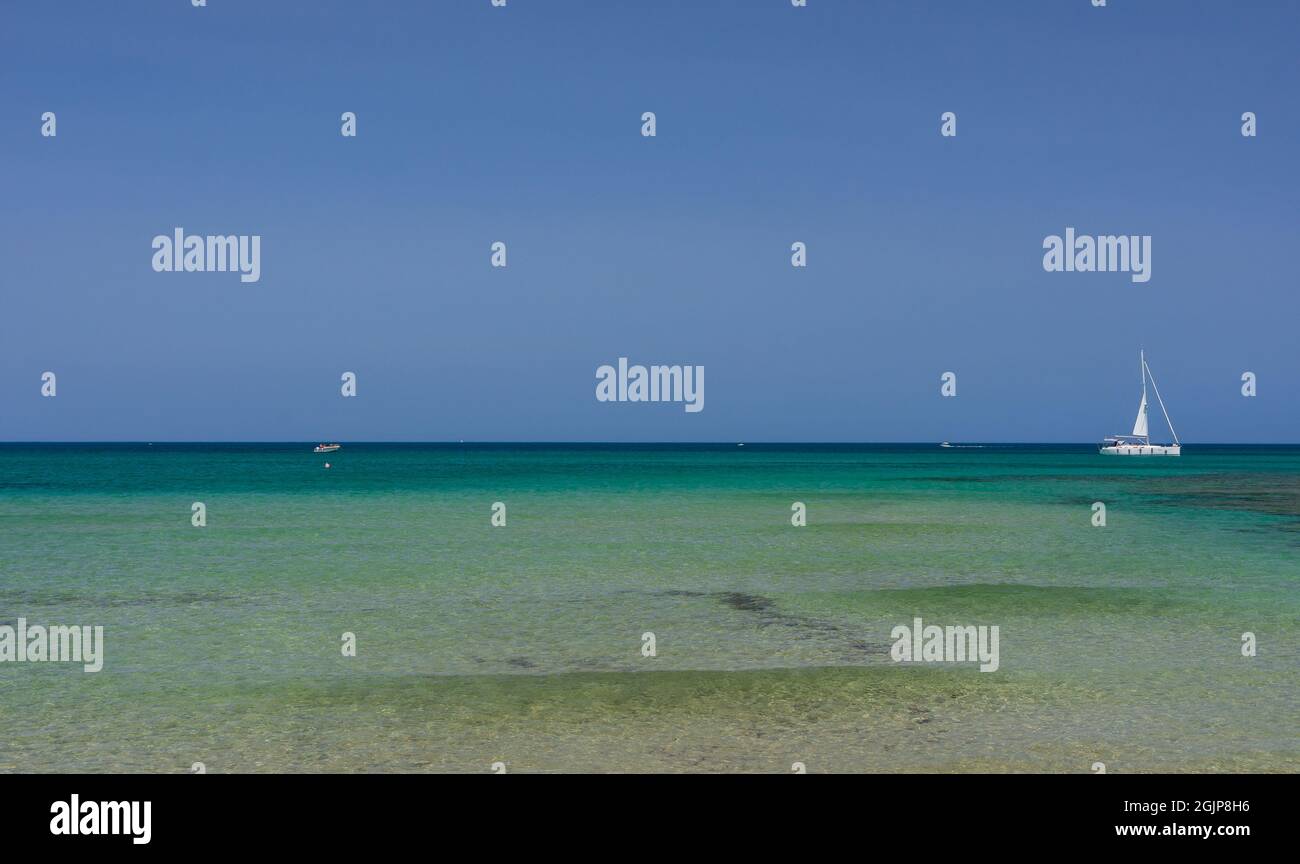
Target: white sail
(1140, 424)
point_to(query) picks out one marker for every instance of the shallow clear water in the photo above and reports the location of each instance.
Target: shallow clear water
(522, 644)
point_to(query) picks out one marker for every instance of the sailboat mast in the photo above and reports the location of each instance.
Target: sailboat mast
(1156, 387)
(1142, 353)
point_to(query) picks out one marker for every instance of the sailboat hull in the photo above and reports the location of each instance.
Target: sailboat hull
(1142, 450)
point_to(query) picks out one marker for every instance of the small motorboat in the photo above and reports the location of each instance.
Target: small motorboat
(326, 448)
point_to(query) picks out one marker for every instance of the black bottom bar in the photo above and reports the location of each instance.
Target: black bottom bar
(336, 813)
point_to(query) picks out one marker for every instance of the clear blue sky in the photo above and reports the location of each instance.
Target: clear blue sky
(522, 124)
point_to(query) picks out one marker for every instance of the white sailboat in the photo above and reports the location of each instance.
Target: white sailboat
(1139, 443)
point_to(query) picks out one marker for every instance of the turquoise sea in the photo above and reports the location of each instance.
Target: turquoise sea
(522, 644)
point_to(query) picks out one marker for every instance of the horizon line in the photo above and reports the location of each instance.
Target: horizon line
(460, 442)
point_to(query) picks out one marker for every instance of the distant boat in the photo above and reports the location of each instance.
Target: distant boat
(1139, 443)
(945, 444)
(326, 448)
